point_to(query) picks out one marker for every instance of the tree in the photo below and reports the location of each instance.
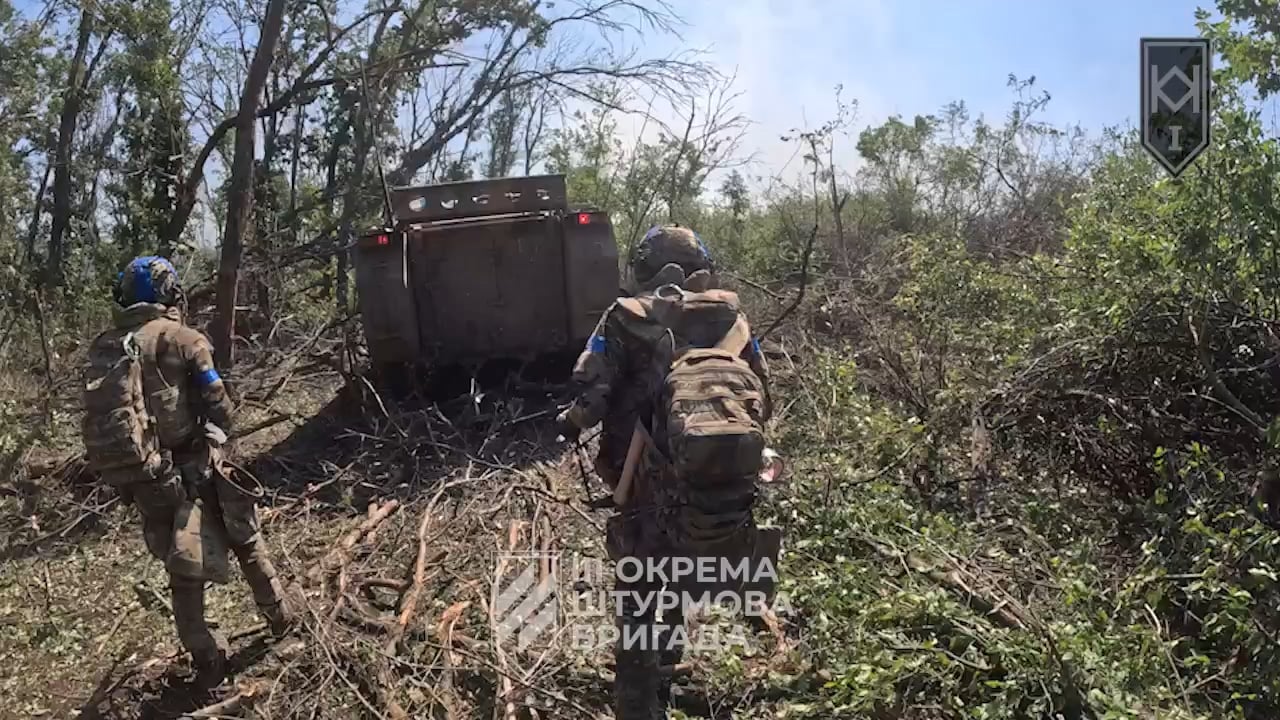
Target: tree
(1248, 35)
(240, 186)
(735, 192)
(501, 134)
(154, 132)
(79, 75)
(524, 57)
(25, 80)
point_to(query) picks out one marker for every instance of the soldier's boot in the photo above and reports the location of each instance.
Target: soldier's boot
(267, 591)
(208, 649)
(636, 685)
(211, 669)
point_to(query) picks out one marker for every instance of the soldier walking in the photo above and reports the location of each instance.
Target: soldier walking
(156, 416)
(675, 365)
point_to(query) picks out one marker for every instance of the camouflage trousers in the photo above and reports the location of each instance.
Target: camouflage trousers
(238, 512)
(643, 654)
(642, 684)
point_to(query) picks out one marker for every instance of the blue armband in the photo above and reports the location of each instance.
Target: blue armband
(755, 346)
(208, 377)
(596, 344)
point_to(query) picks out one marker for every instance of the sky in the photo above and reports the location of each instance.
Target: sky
(914, 56)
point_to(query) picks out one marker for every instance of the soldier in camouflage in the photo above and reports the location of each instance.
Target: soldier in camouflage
(613, 379)
(190, 407)
(611, 375)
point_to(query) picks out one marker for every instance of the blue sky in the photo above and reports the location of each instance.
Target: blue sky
(914, 56)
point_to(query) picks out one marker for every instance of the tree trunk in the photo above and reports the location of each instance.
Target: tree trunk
(360, 142)
(295, 224)
(268, 226)
(240, 186)
(72, 99)
(533, 130)
(837, 203)
(29, 259)
(89, 210)
(330, 186)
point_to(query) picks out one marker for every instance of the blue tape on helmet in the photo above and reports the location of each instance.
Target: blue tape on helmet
(596, 344)
(653, 231)
(208, 377)
(143, 289)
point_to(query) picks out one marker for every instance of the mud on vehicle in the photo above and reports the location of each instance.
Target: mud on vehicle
(474, 272)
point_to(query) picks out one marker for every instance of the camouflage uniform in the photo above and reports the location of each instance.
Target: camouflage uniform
(613, 377)
(178, 365)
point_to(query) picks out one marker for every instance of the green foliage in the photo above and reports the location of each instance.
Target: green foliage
(1248, 37)
(25, 70)
(1083, 313)
(588, 152)
(153, 131)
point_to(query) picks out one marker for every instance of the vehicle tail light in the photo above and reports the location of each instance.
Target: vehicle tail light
(383, 240)
(584, 218)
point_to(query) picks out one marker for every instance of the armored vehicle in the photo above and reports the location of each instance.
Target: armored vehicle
(479, 270)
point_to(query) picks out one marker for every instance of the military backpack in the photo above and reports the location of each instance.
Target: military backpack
(708, 409)
(119, 432)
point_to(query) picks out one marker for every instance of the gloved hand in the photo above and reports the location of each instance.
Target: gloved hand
(172, 488)
(566, 428)
(215, 435)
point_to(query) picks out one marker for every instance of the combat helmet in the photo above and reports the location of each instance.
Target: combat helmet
(670, 254)
(149, 279)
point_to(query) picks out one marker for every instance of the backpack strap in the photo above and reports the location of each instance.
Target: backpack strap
(146, 337)
(168, 341)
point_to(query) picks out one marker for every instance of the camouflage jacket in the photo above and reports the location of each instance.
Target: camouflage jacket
(181, 370)
(613, 380)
